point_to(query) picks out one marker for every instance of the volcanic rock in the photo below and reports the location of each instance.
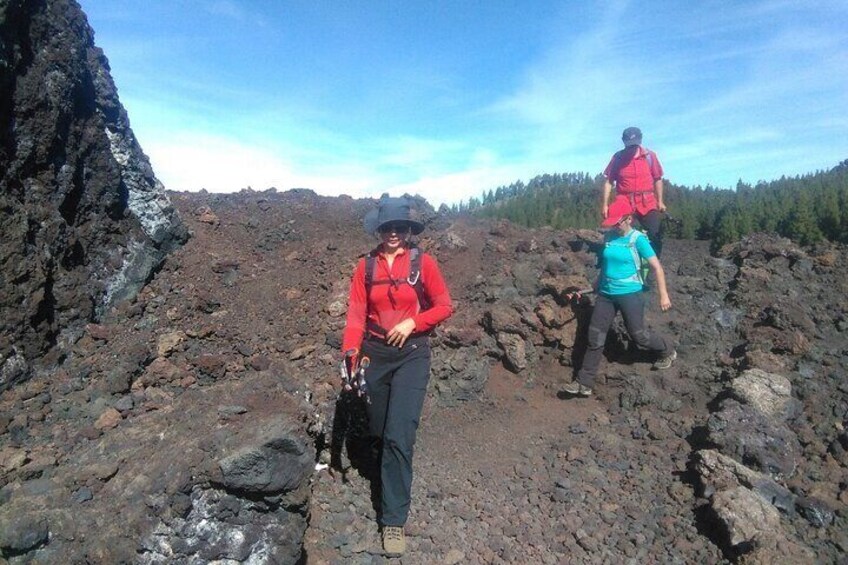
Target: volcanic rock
(84, 220)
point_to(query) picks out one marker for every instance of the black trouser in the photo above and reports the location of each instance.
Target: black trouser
(397, 384)
(632, 308)
(652, 224)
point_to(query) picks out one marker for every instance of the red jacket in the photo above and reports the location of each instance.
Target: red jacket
(634, 177)
(387, 305)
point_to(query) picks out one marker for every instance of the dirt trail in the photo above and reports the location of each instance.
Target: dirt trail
(522, 476)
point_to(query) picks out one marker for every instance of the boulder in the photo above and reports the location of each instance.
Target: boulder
(515, 350)
(718, 472)
(768, 393)
(748, 519)
(762, 443)
(278, 461)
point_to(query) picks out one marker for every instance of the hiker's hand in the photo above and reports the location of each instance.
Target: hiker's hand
(665, 303)
(571, 296)
(661, 206)
(398, 334)
(605, 210)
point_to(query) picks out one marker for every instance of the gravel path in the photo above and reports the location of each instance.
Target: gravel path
(526, 477)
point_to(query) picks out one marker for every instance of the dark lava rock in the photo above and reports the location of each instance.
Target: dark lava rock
(279, 463)
(762, 443)
(817, 511)
(83, 220)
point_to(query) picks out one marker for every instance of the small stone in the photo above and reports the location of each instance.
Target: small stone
(108, 419)
(12, 458)
(454, 556)
(168, 343)
(83, 495)
(227, 411)
(99, 332)
(301, 352)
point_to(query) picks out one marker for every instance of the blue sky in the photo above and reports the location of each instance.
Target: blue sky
(447, 99)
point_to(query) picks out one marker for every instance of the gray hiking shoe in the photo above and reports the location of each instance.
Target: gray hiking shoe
(576, 389)
(394, 543)
(666, 362)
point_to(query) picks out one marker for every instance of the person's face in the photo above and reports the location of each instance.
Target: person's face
(623, 225)
(394, 234)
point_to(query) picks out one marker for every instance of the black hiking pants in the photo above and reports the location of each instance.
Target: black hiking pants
(632, 307)
(397, 384)
(652, 224)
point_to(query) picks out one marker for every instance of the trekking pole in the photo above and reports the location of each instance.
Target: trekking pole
(361, 384)
(347, 369)
(573, 292)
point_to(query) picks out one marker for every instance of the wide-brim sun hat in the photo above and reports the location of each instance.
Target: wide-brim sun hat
(617, 210)
(392, 210)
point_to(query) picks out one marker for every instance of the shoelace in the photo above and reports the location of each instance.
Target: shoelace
(395, 534)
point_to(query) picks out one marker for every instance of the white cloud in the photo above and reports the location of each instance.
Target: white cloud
(217, 164)
(453, 187)
(191, 161)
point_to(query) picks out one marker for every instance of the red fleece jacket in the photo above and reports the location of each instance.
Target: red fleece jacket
(389, 304)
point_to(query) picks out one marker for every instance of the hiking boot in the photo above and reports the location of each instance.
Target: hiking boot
(665, 362)
(577, 389)
(393, 541)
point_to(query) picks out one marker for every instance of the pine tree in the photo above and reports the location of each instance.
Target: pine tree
(801, 225)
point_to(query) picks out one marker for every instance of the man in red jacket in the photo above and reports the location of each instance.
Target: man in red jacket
(637, 174)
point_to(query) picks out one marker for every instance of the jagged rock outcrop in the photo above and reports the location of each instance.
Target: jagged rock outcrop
(83, 220)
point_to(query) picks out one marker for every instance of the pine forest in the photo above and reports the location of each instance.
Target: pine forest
(806, 208)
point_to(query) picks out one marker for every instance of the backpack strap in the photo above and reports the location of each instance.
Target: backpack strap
(414, 278)
(370, 266)
(649, 157)
(638, 276)
(637, 259)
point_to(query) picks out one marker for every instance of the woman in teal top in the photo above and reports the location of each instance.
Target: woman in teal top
(620, 287)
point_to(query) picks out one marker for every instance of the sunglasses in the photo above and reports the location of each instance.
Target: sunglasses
(395, 228)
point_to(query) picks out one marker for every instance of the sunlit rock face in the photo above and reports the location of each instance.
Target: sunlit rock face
(83, 220)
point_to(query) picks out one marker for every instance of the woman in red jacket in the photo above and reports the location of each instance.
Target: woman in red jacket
(397, 296)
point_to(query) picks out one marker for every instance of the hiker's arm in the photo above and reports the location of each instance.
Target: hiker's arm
(659, 275)
(657, 174)
(357, 310)
(440, 308)
(605, 194)
(610, 175)
(658, 190)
